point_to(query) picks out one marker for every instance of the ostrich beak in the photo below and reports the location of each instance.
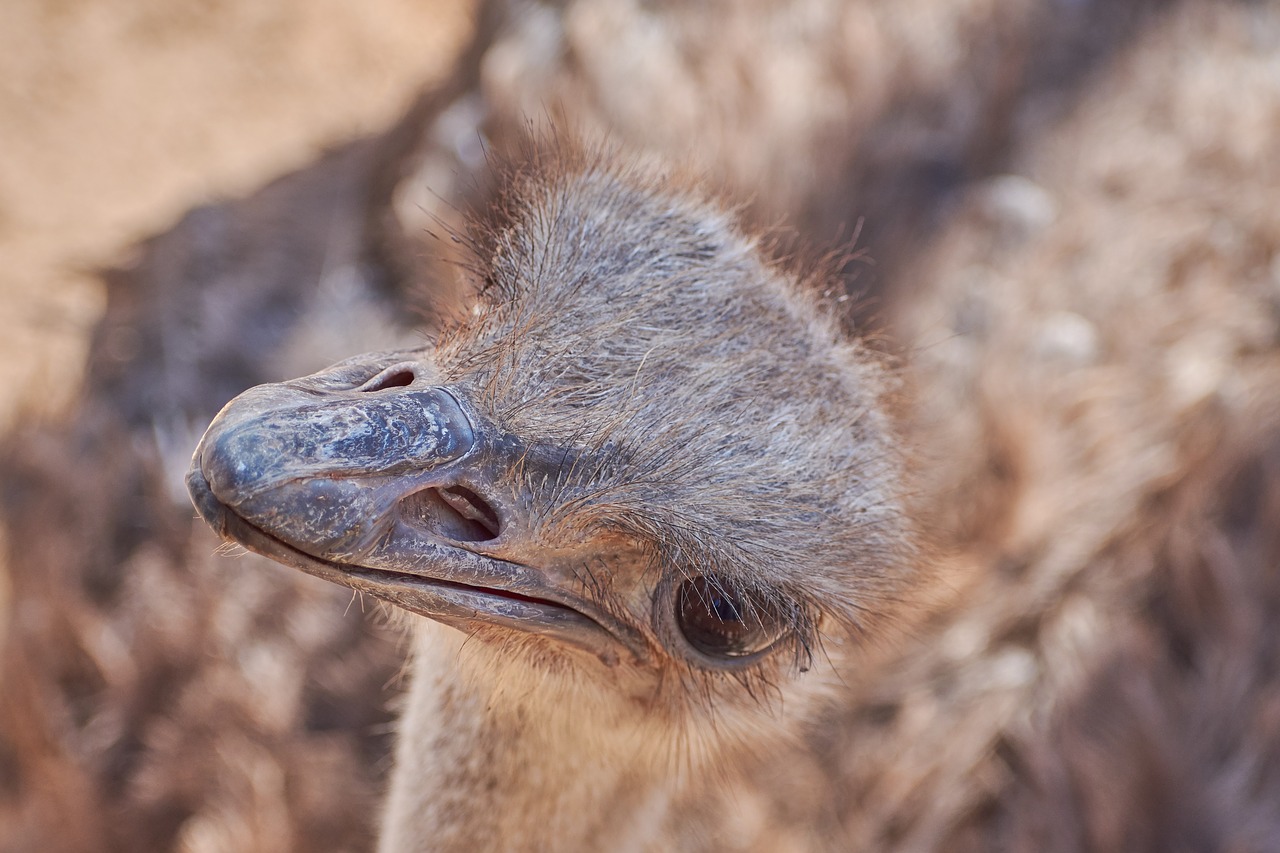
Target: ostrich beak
(368, 475)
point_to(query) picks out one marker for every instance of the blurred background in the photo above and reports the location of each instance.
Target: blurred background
(117, 116)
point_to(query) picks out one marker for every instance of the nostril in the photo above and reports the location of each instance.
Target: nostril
(454, 512)
(472, 507)
(395, 377)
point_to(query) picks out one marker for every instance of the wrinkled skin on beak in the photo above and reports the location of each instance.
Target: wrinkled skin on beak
(369, 475)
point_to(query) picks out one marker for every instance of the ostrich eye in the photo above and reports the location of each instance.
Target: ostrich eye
(722, 623)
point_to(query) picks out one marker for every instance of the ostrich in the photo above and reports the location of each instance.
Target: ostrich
(679, 570)
(648, 493)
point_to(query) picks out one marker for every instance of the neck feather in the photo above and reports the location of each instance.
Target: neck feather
(496, 755)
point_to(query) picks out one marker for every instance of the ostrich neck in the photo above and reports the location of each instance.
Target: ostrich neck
(489, 758)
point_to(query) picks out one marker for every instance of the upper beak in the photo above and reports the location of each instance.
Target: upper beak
(369, 475)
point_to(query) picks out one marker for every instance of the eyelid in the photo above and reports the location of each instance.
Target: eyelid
(665, 625)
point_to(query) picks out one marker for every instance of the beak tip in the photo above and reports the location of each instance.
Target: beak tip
(206, 504)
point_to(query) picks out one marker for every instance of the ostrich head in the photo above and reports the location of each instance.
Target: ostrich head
(643, 475)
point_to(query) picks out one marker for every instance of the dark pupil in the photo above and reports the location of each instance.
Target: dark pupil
(726, 609)
(715, 620)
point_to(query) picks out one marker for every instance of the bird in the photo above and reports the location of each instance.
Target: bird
(644, 491)
(692, 567)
